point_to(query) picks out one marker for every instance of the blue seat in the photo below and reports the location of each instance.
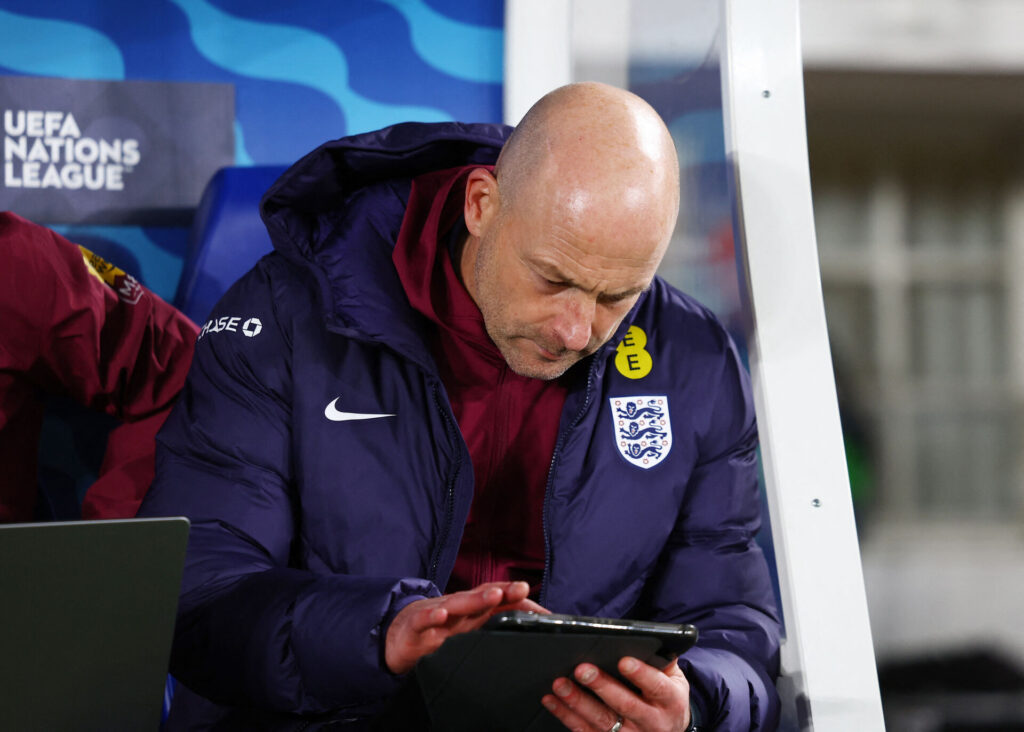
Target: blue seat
(165, 708)
(227, 237)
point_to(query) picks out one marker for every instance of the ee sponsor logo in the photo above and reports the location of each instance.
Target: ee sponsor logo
(631, 359)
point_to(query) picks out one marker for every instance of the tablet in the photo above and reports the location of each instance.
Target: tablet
(675, 639)
(494, 678)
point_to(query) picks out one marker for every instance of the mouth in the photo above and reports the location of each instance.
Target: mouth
(548, 355)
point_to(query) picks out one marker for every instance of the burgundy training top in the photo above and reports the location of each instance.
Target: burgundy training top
(509, 422)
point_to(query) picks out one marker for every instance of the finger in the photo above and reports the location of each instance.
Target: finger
(673, 671)
(613, 695)
(516, 588)
(429, 640)
(430, 637)
(525, 605)
(465, 623)
(564, 714)
(513, 593)
(593, 711)
(428, 617)
(405, 646)
(472, 602)
(656, 686)
(529, 606)
(481, 599)
(516, 592)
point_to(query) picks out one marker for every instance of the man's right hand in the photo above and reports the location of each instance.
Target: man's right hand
(422, 626)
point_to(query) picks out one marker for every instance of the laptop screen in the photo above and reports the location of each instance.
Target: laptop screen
(87, 613)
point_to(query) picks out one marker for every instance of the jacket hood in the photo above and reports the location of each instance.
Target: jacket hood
(319, 182)
(338, 210)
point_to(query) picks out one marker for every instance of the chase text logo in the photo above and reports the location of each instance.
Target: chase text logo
(229, 324)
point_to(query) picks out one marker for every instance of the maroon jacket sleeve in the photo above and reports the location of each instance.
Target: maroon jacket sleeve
(77, 326)
(127, 470)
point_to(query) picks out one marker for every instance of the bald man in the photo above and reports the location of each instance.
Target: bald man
(461, 389)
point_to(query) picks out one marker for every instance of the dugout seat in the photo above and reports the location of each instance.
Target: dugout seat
(227, 237)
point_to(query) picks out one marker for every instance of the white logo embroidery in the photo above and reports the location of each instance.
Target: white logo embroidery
(332, 413)
(252, 327)
(642, 429)
(229, 324)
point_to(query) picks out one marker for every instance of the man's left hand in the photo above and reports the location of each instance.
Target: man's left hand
(663, 704)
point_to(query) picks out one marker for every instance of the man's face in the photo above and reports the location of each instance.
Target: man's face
(553, 282)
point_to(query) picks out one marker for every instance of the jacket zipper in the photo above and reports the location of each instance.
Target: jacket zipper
(449, 513)
(551, 479)
(485, 565)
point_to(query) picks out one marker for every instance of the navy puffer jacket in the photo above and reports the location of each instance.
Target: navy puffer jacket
(309, 533)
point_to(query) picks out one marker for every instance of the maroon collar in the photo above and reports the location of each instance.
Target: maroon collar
(425, 266)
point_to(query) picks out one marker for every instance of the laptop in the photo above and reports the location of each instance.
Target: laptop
(86, 617)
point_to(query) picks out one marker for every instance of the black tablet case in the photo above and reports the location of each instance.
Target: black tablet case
(493, 680)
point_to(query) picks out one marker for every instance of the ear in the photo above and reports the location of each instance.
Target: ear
(482, 201)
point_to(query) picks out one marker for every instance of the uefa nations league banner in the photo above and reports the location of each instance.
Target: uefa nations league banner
(111, 152)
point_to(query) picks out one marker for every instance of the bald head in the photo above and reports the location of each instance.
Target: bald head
(567, 234)
(594, 139)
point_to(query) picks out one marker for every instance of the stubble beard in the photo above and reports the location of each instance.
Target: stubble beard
(515, 346)
(533, 368)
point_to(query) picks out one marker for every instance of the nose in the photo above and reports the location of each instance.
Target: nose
(575, 323)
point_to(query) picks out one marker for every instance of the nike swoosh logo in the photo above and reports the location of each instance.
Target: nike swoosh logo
(332, 413)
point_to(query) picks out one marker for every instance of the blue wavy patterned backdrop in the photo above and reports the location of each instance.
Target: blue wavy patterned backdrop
(301, 76)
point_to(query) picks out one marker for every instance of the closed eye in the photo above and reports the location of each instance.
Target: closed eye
(620, 297)
(552, 285)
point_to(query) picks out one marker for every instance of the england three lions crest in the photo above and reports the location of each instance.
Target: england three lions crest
(643, 429)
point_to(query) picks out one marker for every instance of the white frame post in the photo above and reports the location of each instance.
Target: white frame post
(828, 659)
(538, 52)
